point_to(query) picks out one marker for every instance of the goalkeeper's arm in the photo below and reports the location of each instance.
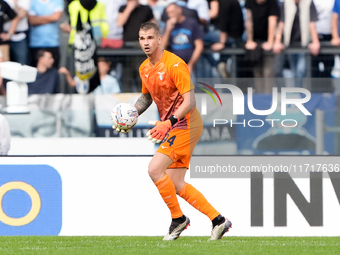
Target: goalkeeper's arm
(187, 105)
(143, 103)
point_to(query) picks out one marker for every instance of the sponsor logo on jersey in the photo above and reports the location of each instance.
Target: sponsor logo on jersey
(177, 64)
(161, 75)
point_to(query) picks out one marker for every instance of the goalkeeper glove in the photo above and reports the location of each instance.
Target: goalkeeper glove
(121, 130)
(157, 134)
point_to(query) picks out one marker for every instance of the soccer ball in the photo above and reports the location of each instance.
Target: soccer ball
(124, 116)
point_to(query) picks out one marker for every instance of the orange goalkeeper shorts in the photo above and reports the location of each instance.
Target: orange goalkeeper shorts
(179, 144)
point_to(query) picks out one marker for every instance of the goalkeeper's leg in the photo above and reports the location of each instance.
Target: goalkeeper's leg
(166, 188)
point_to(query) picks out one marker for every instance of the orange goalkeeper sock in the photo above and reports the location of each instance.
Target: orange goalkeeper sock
(198, 201)
(167, 190)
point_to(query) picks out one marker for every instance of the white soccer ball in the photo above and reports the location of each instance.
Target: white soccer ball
(124, 116)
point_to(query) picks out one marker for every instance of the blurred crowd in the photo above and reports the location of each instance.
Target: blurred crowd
(41, 33)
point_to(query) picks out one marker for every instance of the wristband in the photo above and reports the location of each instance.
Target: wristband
(173, 119)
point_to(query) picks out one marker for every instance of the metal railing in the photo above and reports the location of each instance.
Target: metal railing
(133, 49)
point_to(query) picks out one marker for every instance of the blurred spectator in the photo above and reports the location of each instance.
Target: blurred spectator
(84, 10)
(201, 6)
(213, 33)
(188, 13)
(232, 27)
(297, 25)
(130, 17)
(231, 24)
(88, 20)
(66, 58)
(262, 17)
(207, 64)
(335, 38)
(244, 13)
(69, 79)
(93, 10)
(47, 81)
(2, 88)
(158, 7)
(115, 36)
(336, 24)
(19, 43)
(280, 59)
(213, 10)
(185, 36)
(108, 84)
(43, 17)
(322, 64)
(6, 12)
(5, 136)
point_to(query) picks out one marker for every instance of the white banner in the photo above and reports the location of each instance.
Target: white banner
(82, 146)
(115, 196)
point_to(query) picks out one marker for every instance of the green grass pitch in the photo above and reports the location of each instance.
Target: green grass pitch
(50, 245)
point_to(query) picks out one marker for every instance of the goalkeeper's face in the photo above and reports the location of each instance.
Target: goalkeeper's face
(149, 40)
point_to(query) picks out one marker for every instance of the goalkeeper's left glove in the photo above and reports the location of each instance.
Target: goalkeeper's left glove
(157, 134)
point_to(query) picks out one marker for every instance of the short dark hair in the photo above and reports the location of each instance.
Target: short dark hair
(103, 59)
(41, 53)
(148, 25)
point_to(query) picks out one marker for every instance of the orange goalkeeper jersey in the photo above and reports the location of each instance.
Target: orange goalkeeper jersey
(166, 82)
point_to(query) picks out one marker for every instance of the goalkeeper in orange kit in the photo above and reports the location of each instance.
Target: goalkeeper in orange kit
(166, 81)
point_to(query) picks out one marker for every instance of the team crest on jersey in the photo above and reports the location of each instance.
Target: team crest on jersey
(161, 75)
